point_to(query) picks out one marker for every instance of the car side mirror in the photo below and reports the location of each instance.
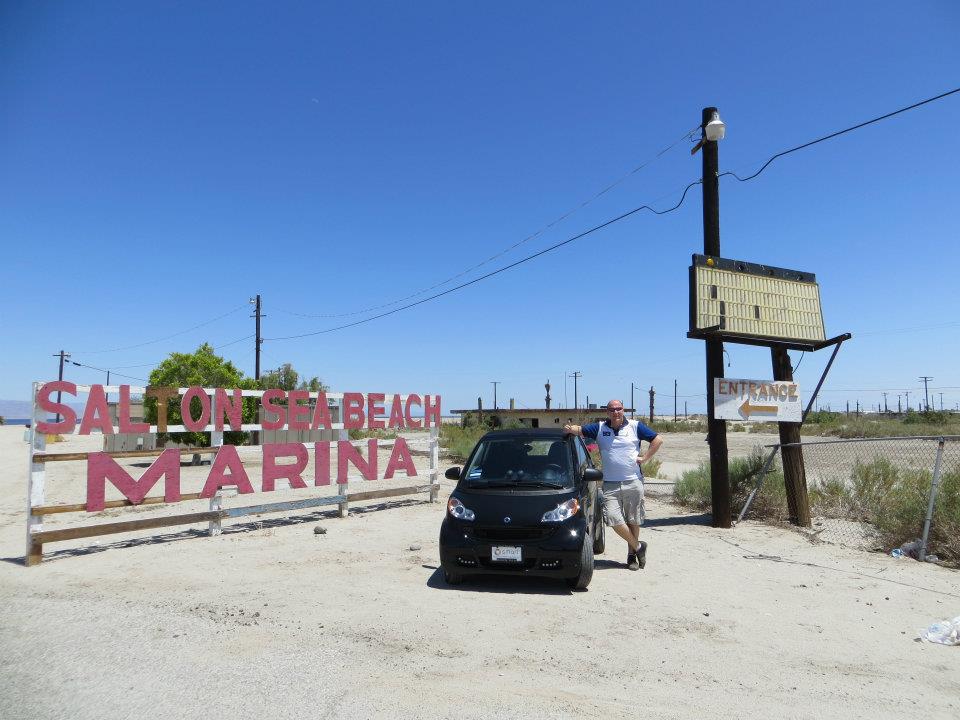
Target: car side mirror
(592, 474)
(453, 473)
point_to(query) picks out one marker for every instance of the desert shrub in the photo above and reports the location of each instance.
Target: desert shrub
(668, 426)
(379, 433)
(2, 420)
(459, 441)
(694, 487)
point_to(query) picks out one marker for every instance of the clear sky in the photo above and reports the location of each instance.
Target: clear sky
(163, 162)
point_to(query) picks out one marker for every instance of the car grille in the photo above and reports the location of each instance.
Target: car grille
(506, 534)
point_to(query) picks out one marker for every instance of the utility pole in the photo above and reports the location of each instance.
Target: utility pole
(651, 404)
(684, 409)
(674, 399)
(907, 394)
(495, 383)
(791, 453)
(63, 356)
(716, 429)
(258, 341)
(884, 402)
(576, 374)
(633, 408)
(926, 397)
(941, 402)
(899, 407)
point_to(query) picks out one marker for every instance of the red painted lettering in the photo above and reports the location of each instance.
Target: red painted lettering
(374, 408)
(272, 471)
(229, 409)
(400, 459)
(227, 459)
(353, 411)
(321, 463)
(295, 410)
(126, 424)
(275, 416)
(101, 467)
(186, 403)
(412, 400)
(321, 414)
(396, 413)
(431, 411)
(347, 454)
(96, 414)
(68, 423)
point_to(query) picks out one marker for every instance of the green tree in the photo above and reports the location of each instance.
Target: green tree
(206, 369)
(286, 378)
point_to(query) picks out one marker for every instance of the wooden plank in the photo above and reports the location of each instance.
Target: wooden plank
(48, 536)
(280, 506)
(80, 507)
(59, 457)
(392, 492)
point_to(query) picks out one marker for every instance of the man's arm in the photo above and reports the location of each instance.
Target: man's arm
(652, 448)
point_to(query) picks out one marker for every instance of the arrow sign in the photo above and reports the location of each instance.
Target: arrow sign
(746, 410)
(756, 400)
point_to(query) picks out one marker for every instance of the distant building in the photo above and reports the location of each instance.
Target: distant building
(538, 417)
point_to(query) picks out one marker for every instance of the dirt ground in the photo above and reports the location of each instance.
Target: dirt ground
(272, 620)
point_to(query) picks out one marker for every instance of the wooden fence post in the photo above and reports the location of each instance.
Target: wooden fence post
(35, 483)
(434, 463)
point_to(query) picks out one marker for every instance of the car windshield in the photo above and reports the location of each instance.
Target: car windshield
(510, 462)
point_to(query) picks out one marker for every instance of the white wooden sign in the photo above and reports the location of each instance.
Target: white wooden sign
(756, 400)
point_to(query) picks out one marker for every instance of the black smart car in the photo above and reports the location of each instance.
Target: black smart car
(527, 502)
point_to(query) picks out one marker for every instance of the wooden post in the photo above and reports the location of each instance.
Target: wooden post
(216, 440)
(344, 507)
(651, 404)
(434, 463)
(35, 484)
(794, 475)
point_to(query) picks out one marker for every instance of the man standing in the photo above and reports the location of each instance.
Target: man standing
(619, 440)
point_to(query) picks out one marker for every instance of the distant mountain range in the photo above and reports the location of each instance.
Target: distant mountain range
(20, 409)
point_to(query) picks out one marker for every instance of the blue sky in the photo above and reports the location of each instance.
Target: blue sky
(164, 162)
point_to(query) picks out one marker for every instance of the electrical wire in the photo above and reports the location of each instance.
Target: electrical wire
(840, 132)
(503, 252)
(495, 272)
(176, 334)
(108, 370)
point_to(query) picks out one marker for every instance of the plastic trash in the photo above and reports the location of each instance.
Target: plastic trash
(912, 549)
(946, 632)
(896, 552)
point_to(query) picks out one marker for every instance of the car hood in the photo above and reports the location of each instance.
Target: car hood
(524, 508)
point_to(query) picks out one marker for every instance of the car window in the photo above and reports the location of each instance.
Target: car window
(582, 457)
(520, 461)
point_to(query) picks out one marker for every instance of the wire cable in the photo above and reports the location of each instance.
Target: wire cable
(497, 271)
(176, 334)
(840, 132)
(108, 370)
(503, 252)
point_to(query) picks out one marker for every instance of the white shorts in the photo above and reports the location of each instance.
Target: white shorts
(623, 503)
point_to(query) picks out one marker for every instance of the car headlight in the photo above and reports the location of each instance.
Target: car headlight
(563, 511)
(459, 511)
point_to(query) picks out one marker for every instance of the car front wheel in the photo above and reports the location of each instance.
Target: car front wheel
(452, 578)
(583, 579)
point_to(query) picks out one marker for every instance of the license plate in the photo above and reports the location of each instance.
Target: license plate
(505, 553)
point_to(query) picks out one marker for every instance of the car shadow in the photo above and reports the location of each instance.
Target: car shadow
(500, 584)
(699, 519)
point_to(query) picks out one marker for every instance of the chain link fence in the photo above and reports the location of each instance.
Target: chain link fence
(874, 493)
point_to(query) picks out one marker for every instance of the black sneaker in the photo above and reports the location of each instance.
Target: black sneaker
(642, 555)
(632, 562)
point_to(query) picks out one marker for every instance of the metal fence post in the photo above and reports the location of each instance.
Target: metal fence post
(934, 485)
(756, 488)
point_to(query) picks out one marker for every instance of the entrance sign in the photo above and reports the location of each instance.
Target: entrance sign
(755, 301)
(756, 400)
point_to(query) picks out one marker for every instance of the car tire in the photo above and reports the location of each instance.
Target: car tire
(583, 579)
(599, 539)
(452, 578)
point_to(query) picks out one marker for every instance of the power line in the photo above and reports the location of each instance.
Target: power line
(614, 220)
(495, 272)
(176, 334)
(503, 252)
(841, 132)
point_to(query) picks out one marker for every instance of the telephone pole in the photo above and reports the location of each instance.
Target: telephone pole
(258, 341)
(63, 356)
(716, 429)
(651, 404)
(576, 374)
(633, 410)
(926, 396)
(495, 383)
(884, 402)
(674, 400)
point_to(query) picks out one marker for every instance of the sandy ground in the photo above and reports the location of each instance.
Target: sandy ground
(271, 620)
